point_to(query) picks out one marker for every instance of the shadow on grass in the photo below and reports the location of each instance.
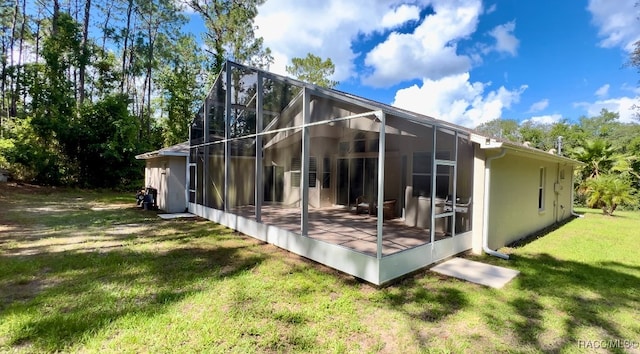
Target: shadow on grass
(588, 296)
(101, 230)
(63, 298)
(541, 233)
(424, 304)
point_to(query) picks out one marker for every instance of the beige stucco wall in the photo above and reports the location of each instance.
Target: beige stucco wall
(513, 204)
(153, 177)
(168, 176)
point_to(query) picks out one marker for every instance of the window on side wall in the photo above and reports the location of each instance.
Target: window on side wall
(541, 189)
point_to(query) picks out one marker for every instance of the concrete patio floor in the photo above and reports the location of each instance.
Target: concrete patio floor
(338, 225)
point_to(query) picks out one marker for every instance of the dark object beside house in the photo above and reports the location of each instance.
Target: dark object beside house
(5, 176)
(146, 198)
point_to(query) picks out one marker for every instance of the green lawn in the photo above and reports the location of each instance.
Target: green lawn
(87, 271)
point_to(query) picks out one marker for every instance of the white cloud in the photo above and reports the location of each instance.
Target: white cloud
(328, 28)
(400, 15)
(546, 119)
(457, 100)
(634, 89)
(625, 106)
(617, 22)
(603, 91)
(430, 51)
(539, 106)
(491, 9)
(505, 40)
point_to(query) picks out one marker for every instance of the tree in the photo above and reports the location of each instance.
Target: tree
(231, 33)
(536, 134)
(501, 128)
(107, 141)
(601, 126)
(597, 154)
(313, 69)
(160, 22)
(181, 81)
(608, 191)
(84, 45)
(572, 135)
(634, 60)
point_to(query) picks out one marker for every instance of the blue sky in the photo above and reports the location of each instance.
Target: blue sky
(468, 61)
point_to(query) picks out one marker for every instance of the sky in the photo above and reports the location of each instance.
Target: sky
(468, 61)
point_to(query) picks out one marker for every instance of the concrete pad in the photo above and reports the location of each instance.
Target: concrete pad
(476, 272)
(176, 216)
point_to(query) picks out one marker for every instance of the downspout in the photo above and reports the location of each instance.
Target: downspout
(485, 222)
(556, 192)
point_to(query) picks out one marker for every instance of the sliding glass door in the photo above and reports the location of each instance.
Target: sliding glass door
(357, 177)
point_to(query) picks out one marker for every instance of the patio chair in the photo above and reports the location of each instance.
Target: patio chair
(462, 210)
(462, 204)
(362, 203)
(389, 209)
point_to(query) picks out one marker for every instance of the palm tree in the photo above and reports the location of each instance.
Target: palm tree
(597, 154)
(608, 191)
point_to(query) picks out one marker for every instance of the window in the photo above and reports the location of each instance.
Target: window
(359, 143)
(444, 175)
(374, 145)
(313, 172)
(296, 166)
(541, 189)
(295, 172)
(421, 174)
(344, 148)
(326, 173)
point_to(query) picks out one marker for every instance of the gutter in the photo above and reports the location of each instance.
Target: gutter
(485, 222)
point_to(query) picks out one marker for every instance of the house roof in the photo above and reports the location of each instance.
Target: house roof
(485, 142)
(488, 143)
(181, 149)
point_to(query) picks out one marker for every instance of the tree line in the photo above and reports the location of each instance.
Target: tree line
(609, 149)
(87, 85)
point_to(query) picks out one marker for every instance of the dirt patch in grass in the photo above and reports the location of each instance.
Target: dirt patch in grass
(26, 288)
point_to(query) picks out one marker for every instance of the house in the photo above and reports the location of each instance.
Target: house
(307, 168)
(166, 171)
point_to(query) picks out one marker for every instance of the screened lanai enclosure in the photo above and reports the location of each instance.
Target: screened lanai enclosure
(366, 188)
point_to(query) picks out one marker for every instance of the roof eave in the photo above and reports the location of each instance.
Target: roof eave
(489, 143)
